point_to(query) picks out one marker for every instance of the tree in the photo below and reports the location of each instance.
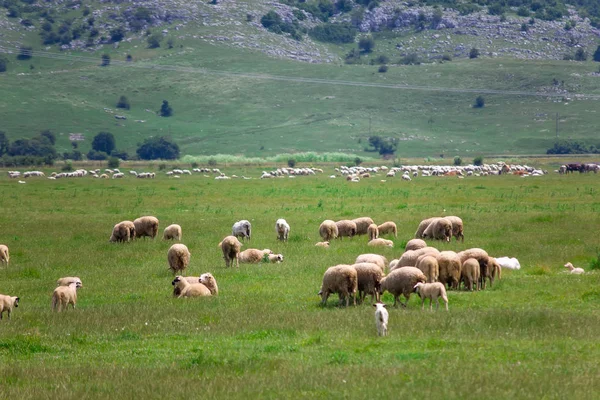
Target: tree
(366, 44)
(158, 148)
(478, 161)
(96, 155)
(457, 161)
(117, 34)
(51, 137)
(165, 109)
(597, 54)
(291, 162)
(104, 141)
(3, 64)
(474, 53)
(105, 60)
(113, 162)
(154, 41)
(4, 143)
(123, 103)
(479, 102)
(25, 53)
(580, 55)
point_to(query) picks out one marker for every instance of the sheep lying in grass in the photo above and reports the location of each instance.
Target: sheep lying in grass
(380, 260)
(373, 232)
(124, 231)
(253, 256)
(210, 282)
(432, 291)
(186, 289)
(7, 303)
(322, 244)
(275, 258)
(388, 227)
(381, 319)
(66, 281)
(402, 281)
(4, 255)
(282, 228)
(341, 279)
(379, 242)
(230, 246)
(470, 274)
(415, 244)
(172, 232)
(65, 295)
(328, 230)
(178, 257)
(574, 270)
(369, 280)
(146, 226)
(362, 225)
(345, 227)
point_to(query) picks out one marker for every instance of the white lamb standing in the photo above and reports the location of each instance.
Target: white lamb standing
(381, 319)
(432, 291)
(282, 228)
(574, 270)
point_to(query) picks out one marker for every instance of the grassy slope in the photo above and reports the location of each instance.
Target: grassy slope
(531, 336)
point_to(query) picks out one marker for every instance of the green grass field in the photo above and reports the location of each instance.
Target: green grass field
(531, 336)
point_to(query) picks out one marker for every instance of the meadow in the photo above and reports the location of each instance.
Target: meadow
(531, 336)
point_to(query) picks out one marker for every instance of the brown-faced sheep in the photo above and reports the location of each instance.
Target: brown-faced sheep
(379, 242)
(380, 260)
(124, 231)
(67, 280)
(328, 230)
(438, 229)
(65, 295)
(373, 232)
(346, 227)
(469, 273)
(402, 281)
(7, 303)
(450, 265)
(172, 232)
(457, 228)
(422, 226)
(186, 289)
(430, 267)
(388, 227)
(208, 280)
(253, 256)
(178, 257)
(146, 226)
(322, 244)
(362, 225)
(415, 244)
(369, 280)
(230, 246)
(4, 254)
(409, 258)
(341, 279)
(432, 291)
(482, 257)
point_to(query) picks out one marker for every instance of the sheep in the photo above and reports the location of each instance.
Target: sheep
(178, 257)
(379, 242)
(275, 258)
(457, 227)
(449, 267)
(172, 232)
(65, 295)
(362, 225)
(393, 264)
(415, 244)
(328, 230)
(146, 226)
(381, 261)
(381, 319)
(253, 256)
(4, 254)
(66, 281)
(345, 227)
(422, 226)
(373, 232)
(432, 291)
(388, 227)
(341, 279)
(469, 273)
(282, 228)
(438, 229)
(322, 244)
(369, 280)
(124, 231)
(7, 303)
(409, 258)
(430, 267)
(482, 257)
(186, 289)
(402, 281)
(242, 229)
(574, 270)
(230, 246)
(495, 270)
(208, 280)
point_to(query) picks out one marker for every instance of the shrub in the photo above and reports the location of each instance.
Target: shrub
(410, 59)
(478, 161)
(3, 64)
(580, 55)
(595, 262)
(474, 53)
(333, 33)
(114, 162)
(212, 162)
(523, 11)
(596, 56)
(154, 41)
(158, 148)
(383, 68)
(117, 34)
(68, 167)
(195, 164)
(123, 103)
(122, 155)
(457, 161)
(479, 102)
(446, 57)
(357, 161)
(524, 27)
(162, 166)
(105, 60)
(366, 44)
(165, 109)
(25, 53)
(96, 155)
(291, 163)
(104, 142)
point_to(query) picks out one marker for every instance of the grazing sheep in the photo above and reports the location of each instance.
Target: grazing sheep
(430, 267)
(7, 303)
(373, 232)
(146, 226)
(341, 279)
(379, 242)
(208, 280)
(124, 231)
(381, 319)
(242, 229)
(495, 270)
(66, 281)
(422, 226)
(172, 232)
(402, 281)
(380, 260)
(415, 244)
(4, 255)
(65, 295)
(322, 244)
(178, 257)
(432, 291)
(282, 228)
(253, 256)
(438, 229)
(369, 280)
(230, 246)
(393, 264)
(388, 227)
(574, 270)
(457, 227)
(275, 258)
(186, 289)
(328, 230)
(362, 225)
(449, 266)
(469, 274)
(409, 258)
(482, 257)
(346, 227)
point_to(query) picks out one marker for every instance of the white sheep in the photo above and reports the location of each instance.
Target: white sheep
(7, 303)
(381, 319)
(362, 225)
(380, 260)
(178, 257)
(4, 254)
(373, 232)
(242, 229)
(402, 281)
(66, 281)
(146, 226)
(388, 227)
(379, 242)
(574, 270)
(230, 246)
(322, 244)
(208, 280)
(186, 289)
(340, 279)
(172, 232)
(124, 231)
(328, 230)
(432, 291)
(275, 258)
(282, 228)
(65, 295)
(253, 256)
(369, 277)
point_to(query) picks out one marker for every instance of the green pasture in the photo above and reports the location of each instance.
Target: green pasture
(532, 336)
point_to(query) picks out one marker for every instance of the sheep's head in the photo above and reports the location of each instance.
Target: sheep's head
(380, 305)
(16, 301)
(206, 278)
(569, 266)
(417, 287)
(177, 279)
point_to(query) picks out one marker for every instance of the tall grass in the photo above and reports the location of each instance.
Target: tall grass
(304, 157)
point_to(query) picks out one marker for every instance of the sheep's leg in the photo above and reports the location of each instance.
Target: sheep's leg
(422, 303)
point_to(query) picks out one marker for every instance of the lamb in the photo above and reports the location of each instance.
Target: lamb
(362, 225)
(381, 261)
(469, 273)
(146, 226)
(438, 229)
(369, 280)
(124, 231)
(253, 256)
(186, 289)
(574, 270)
(373, 232)
(275, 258)
(457, 228)
(341, 279)
(322, 244)
(230, 246)
(178, 257)
(410, 257)
(449, 265)
(432, 291)
(430, 267)
(381, 319)
(282, 228)
(422, 226)
(482, 257)
(242, 229)
(208, 280)
(402, 281)
(4, 254)
(66, 281)
(346, 227)
(415, 244)
(328, 230)
(7, 303)
(172, 232)
(65, 295)
(388, 227)
(379, 242)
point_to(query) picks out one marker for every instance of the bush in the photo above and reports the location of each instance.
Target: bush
(25, 53)
(383, 68)
(479, 102)
(195, 164)
(457, 161)
(68, 167)
(162, 166)
(117, 34)
(114, 162)
(96, 155)
(410, 59)
(105, 60)
(158, 148)
(495, 9)
(165, 109)
(596, 56)
(291, 163)
(366, 44)
(572, 147)
(3, 64)
(123, 103)
(446, 57)
(104, 142)
(478, 161)
(595, 262)
(524, 27)
(474, 53)
(358, 161)
(212, 162)
(333, 33)
(154, 41)
(123, 155)
(580, 55)
(523, 11)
